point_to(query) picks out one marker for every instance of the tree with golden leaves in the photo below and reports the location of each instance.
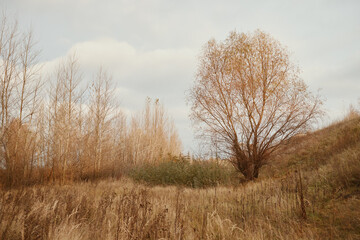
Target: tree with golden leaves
(249, 98)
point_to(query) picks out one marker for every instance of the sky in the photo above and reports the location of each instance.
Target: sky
(152, 47)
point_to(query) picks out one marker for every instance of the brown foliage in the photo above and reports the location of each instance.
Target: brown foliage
(19, 145)
(249, 99)
(313, 203)
(75, 132)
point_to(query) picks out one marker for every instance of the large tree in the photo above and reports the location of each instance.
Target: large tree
(249, 99)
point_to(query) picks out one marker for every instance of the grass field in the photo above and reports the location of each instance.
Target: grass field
(311, 190)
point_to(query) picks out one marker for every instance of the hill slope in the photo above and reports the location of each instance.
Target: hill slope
(329, 161)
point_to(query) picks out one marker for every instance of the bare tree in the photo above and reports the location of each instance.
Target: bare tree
(29, 83)
(118, 142)
(63, 136)
(249, 97)
(152, 135)
(9, 45)
(65, 97)
(101, 115)
(20, 85)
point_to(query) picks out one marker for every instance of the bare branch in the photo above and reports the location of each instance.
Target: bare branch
(249, 96)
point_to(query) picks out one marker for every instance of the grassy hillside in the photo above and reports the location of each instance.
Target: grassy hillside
(311, 190)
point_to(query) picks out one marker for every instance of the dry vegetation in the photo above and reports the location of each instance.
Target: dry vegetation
(312, 194)
(248, 99)
(64, 155)
(53, 128)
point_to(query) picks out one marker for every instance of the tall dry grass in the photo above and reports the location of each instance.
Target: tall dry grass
(124, 210)
(267, 209)
(317, 197)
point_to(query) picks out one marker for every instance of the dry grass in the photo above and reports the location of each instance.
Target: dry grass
(310, 196)
(123, 210)
(267, 209)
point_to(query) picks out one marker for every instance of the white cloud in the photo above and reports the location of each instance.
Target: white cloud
(151, 46)
(131, 66)
(126, 61)
(161, 73)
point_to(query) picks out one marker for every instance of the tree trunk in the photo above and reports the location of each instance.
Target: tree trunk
(256, 172)
(249, 173)
(247, 168)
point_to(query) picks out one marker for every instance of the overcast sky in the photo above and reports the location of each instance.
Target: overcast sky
(151, 46)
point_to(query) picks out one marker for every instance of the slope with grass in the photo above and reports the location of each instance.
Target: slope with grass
(311, 190)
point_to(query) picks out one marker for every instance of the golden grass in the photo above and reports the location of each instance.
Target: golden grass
(266, 209)
(317, 197)
(123, 210)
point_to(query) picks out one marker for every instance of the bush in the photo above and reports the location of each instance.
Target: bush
(346, 168)
(198, 174)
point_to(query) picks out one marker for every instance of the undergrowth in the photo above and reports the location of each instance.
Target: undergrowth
(315, 197)
(181, 172)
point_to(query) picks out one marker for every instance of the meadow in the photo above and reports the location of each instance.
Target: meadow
(311, 190)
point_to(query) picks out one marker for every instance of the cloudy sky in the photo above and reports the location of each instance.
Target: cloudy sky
(151, 46)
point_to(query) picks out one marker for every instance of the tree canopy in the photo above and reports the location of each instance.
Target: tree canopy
(248, 98)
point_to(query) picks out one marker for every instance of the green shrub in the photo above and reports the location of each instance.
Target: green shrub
(198, 174)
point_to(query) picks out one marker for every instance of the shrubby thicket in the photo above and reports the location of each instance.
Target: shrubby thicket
(54, 129)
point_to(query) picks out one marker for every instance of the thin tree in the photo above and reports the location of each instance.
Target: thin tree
(249, 97)
(9, 45)
(101, 115)
(65, 97)
(20, 86)
(152, 135)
